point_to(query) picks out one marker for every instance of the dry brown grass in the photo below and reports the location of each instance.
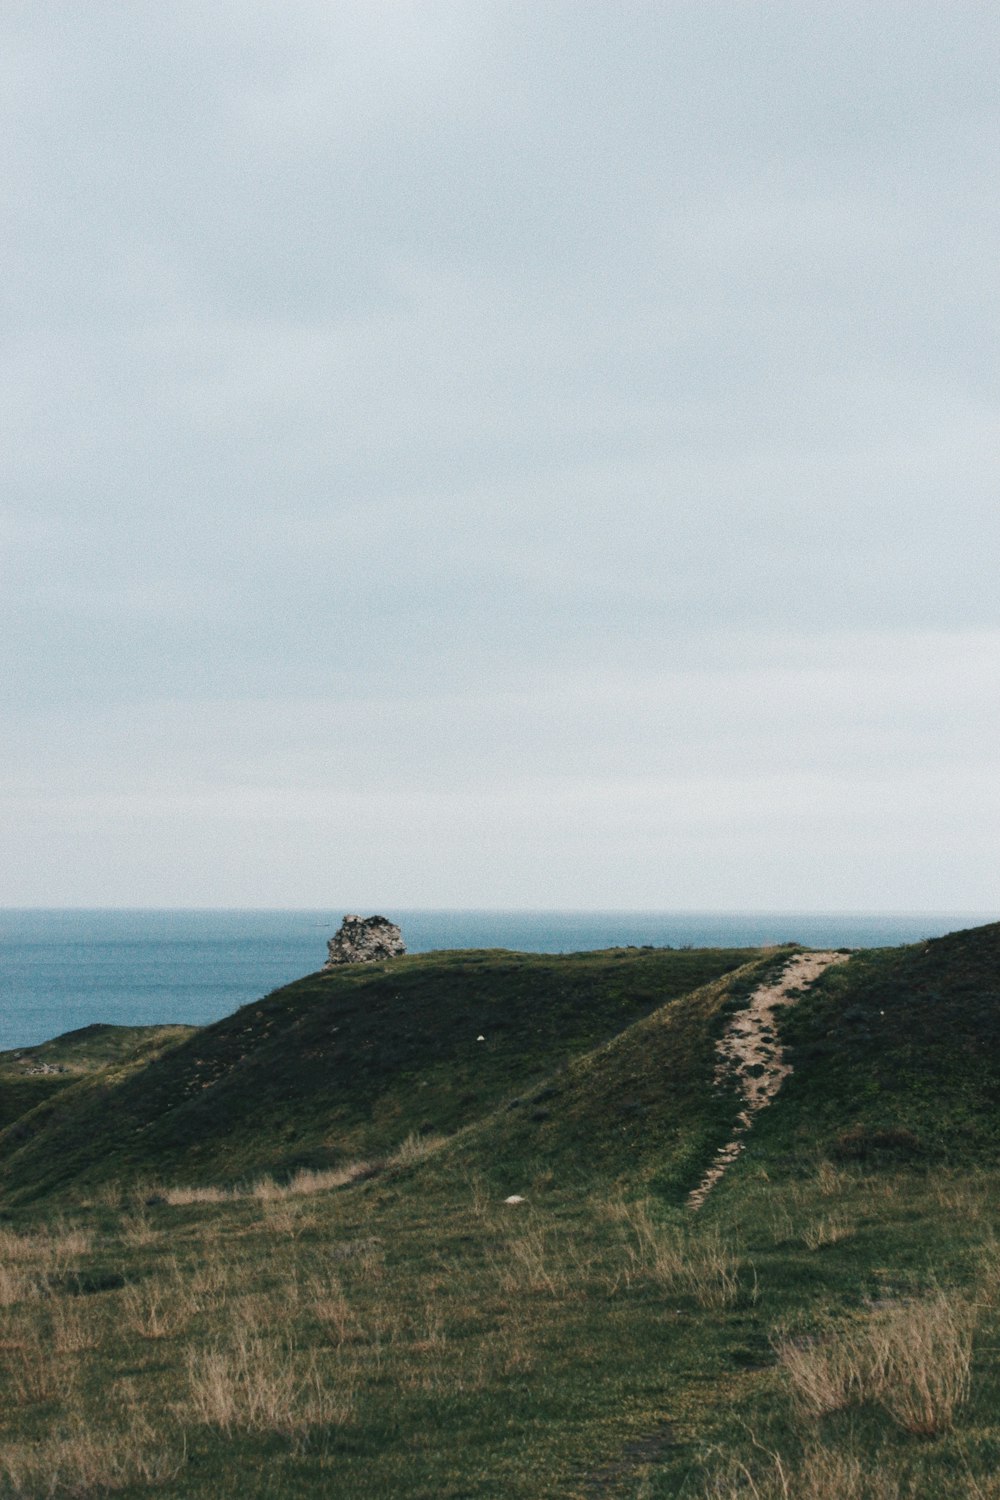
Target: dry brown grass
(914, 1359)
(968, 1195)
(180, 1197)
(415, 1148)
(49, 1251)
(323, 1295)
(257, 1382)
(314, 1180)
(161, 1307)
(832, 1181)
(266, 1189)
(80, 1457)
(821, 1474)
(137, 1230)
(827, 1231)
(698, 1263)
(529, 1263)
(34, 1370)
(18, 1285)
(922, 1361)
(72, 1326)
(826, 1374)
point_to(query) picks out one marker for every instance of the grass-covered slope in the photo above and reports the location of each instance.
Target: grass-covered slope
(825, 1328)
(896, 1055)
(642, 1108)
(345, 1064)
(31, 1075)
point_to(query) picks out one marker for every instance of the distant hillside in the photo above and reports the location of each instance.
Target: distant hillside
(343, 1064)
(31, 1075)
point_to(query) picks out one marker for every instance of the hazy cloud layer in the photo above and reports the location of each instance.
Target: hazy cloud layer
(486, 453)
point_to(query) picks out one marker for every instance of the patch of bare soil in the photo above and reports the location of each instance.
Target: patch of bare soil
(750, 1054)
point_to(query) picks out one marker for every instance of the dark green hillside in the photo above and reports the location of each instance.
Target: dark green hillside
(31, 1075)
(344, 1064)
(896, 1055)
(642, 1108)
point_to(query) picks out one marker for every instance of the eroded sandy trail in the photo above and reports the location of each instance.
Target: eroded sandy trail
(749, 1053)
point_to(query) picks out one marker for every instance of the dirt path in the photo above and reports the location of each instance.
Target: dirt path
(750, 1053)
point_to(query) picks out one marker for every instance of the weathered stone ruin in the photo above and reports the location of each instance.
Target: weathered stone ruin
(364, 940)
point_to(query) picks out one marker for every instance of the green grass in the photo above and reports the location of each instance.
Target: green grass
(29, 1076)
(413, 1335)
(896, 1058)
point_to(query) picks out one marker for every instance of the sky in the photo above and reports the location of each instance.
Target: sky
(469, 454)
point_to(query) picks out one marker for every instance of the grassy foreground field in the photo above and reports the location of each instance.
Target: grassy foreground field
(196, 1302)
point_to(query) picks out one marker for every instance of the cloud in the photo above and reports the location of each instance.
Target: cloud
(392, 394)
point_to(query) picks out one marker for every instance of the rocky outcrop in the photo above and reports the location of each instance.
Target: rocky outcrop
(364, 940)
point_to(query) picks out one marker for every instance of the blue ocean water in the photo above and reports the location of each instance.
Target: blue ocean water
(60, 970)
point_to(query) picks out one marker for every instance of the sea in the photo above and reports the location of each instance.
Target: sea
(65, 969)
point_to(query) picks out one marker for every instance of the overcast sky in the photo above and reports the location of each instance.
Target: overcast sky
(478, 454)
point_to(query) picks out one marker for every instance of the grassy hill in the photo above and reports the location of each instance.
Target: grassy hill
(29, 1076)
(344, 1064)
(825, 1328)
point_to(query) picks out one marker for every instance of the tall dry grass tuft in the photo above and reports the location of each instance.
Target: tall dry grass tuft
(914, 1359)
(50, 1252)
(826, 1374)
(922, 1361)
(137, 1230)
(35, 1370)
(161, 1307)
(821, 1474)
(324, 1296)
(317, 1180)
(529, 1263)
(256, 1383)
(968, 1194)
(827, 1231)
(698, 1263)
(832, 1180)
(80, 1458)
(72, 1326)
